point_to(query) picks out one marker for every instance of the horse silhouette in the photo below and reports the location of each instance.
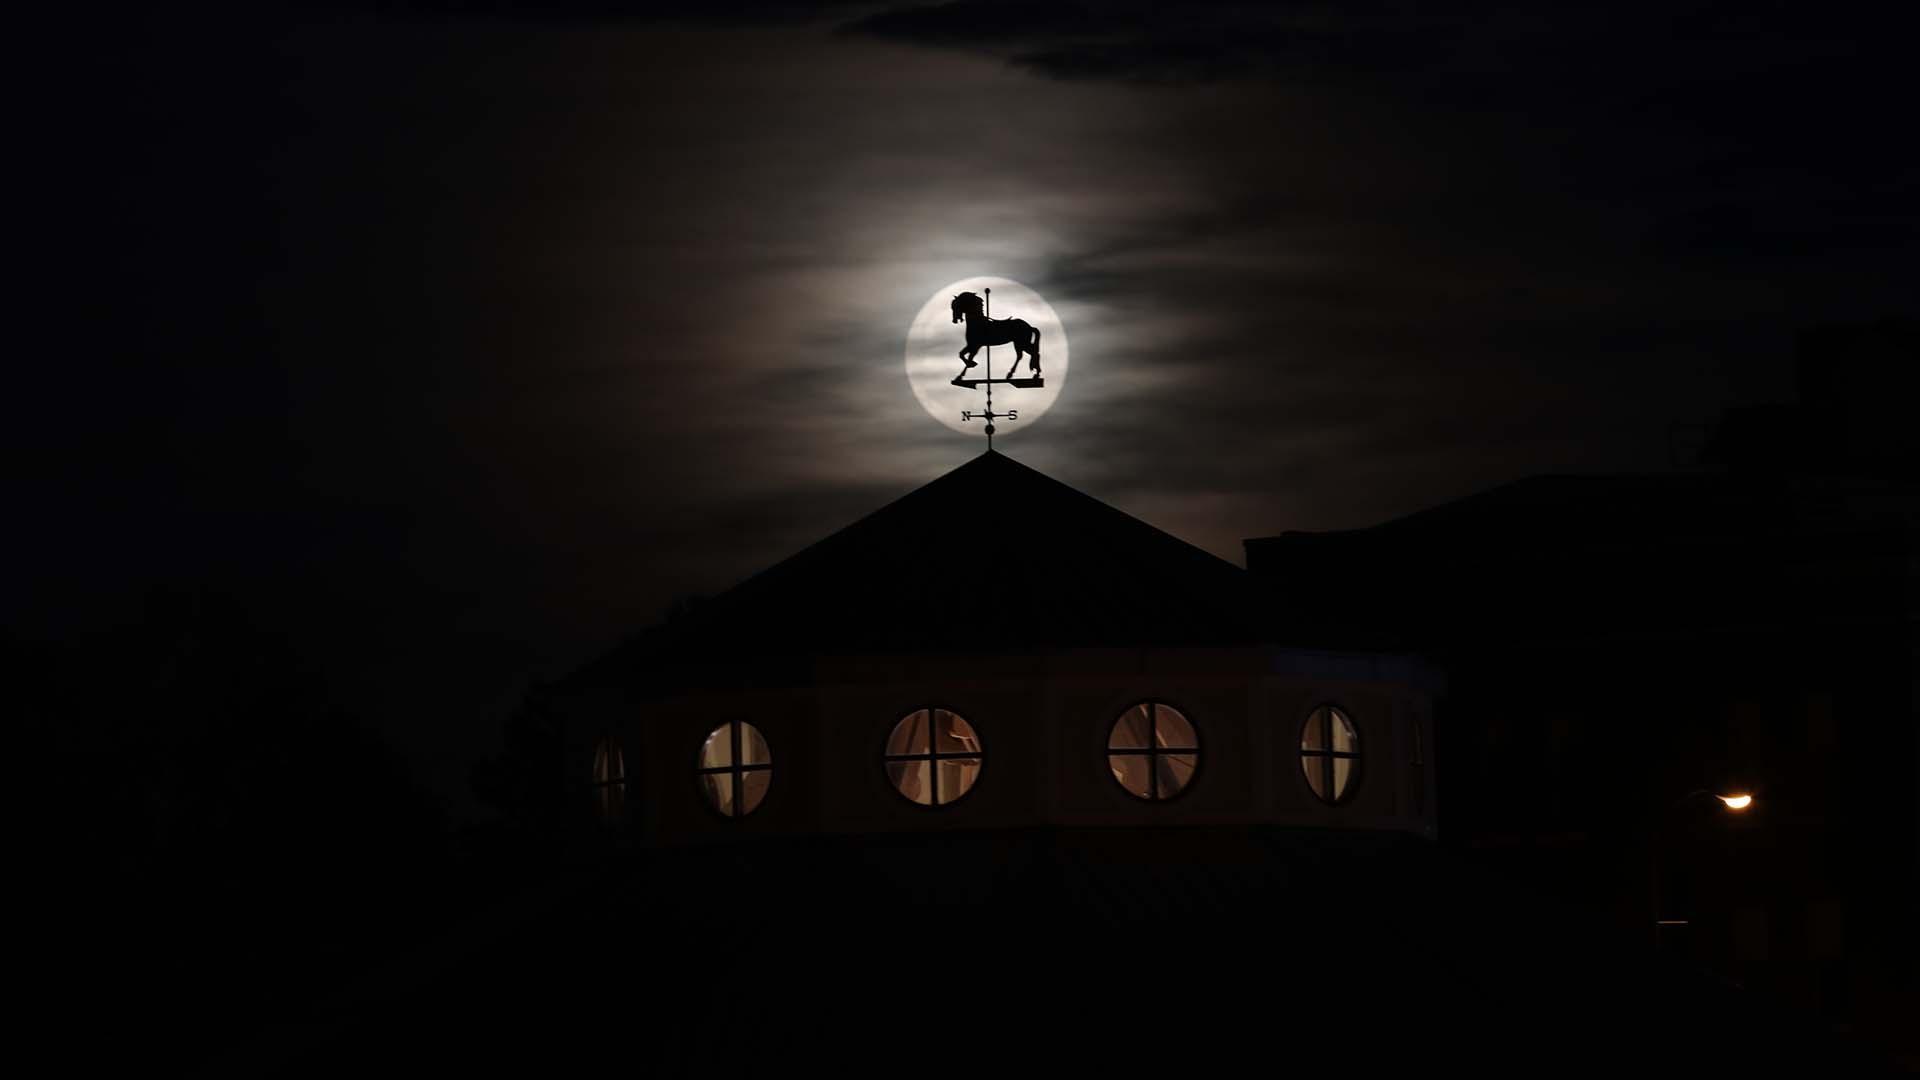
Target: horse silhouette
(984, 331)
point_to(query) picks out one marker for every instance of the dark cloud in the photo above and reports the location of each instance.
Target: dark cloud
(993, 25)
(600, 12)
(1200, 42)
(1460, 48)
(1770, 129)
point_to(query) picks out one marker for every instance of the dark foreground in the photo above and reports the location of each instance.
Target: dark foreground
(1063, 953)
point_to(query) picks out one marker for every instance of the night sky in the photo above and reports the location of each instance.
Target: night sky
(456, 341)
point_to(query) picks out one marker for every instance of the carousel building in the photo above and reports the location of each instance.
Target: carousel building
(901, 677)
(932, 802)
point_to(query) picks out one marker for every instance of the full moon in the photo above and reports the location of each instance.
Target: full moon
(934, 342)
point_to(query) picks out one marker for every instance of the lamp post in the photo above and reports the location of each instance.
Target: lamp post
(1734, 802)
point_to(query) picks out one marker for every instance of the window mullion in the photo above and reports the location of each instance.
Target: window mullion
(1153, 751)
(739, 775)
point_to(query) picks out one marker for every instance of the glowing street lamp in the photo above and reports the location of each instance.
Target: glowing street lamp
(1736, 802)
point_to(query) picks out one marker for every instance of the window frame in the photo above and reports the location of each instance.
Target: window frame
(736, 770)
(1151, 751)
(1357, 768)
(934, 756)
(609, 795)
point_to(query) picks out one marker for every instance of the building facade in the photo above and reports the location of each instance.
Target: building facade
(1108, 761)
(1119, 677)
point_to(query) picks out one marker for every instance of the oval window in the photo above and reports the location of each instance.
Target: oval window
(735, 769)
(933, 756)
(1330, 753)
(1153, 751)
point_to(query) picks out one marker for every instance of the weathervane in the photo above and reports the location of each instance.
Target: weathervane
(985, 331)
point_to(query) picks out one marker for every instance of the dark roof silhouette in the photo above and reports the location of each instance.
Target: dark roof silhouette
(1557, 511)
(1578, 556)
(992, 557)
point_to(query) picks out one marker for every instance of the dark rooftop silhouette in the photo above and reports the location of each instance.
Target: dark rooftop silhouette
(991, 556)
